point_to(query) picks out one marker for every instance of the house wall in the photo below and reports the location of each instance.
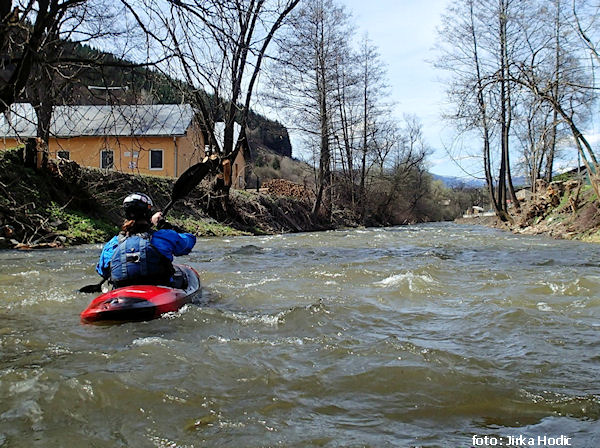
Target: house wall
(9, 142)
(238, 171)
(190, 150)
(130, 154)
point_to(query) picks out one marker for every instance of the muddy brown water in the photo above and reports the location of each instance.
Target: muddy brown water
(431, 336)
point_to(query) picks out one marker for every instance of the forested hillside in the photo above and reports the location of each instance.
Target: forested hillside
(110, 80)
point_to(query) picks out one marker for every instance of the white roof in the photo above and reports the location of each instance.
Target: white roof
(75, 121)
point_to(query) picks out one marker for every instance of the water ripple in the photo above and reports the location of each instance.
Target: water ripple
(413, 336)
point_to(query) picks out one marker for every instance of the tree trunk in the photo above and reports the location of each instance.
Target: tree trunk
(323, 178)
(506, 103)
(552, 148)
(484, 119)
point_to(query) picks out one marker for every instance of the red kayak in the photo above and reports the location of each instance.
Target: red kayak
(145, 302)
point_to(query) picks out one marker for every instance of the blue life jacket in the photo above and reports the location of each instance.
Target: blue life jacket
(136, 260)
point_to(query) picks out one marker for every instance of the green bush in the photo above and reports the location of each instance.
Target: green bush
(204, 228)
(78, 227)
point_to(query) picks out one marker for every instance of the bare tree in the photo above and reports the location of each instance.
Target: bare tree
(219, 48)
(506, 104)
(43, 54)
(375, 135)
(467, 53)
(553, 73)
(585, 17)
(308, 82)
(551, 149)
(24, 30)
(403, 180)
(346, 122)
(535, 129)
(362, 125)
(338, 99)
(518, 69)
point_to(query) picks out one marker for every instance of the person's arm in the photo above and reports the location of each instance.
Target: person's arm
(159, 221)
(103, 265)
(185, 243)
(170, 243)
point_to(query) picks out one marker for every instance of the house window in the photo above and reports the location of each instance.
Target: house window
(64, 154)
(156, 159)
(107, 159)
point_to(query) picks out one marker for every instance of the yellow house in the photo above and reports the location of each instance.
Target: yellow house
(161, 139)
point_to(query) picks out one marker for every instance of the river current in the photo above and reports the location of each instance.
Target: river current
(421, 336)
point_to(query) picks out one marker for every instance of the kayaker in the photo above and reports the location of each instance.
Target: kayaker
(139, 254)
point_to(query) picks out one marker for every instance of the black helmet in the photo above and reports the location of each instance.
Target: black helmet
(137, 206)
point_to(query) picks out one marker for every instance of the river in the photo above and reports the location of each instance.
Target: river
(434, 335)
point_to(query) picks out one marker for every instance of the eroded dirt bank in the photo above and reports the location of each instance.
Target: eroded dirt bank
(564, 209)
(64, 204)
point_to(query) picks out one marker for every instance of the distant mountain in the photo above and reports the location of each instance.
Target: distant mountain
(520, 182)
(268, 133)
(110, 81)
(453, 182)
(471, 182)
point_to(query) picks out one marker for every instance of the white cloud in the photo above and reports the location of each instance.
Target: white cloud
(405, 33)
(593, 138)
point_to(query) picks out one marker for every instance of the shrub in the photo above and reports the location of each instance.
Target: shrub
(79, 227)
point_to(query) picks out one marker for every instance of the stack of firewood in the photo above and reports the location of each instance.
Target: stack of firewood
(282, 187)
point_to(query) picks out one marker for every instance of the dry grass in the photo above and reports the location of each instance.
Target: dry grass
(269, 165)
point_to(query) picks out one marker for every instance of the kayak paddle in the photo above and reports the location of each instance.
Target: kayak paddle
(182, 187)
(189, 179)
(96, 287)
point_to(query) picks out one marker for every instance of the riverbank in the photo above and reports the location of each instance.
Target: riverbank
(65, 204)
(564, 210)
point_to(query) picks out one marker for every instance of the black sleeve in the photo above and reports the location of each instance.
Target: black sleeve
(164, 224)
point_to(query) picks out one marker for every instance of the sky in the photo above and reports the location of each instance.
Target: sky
(405, 33)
